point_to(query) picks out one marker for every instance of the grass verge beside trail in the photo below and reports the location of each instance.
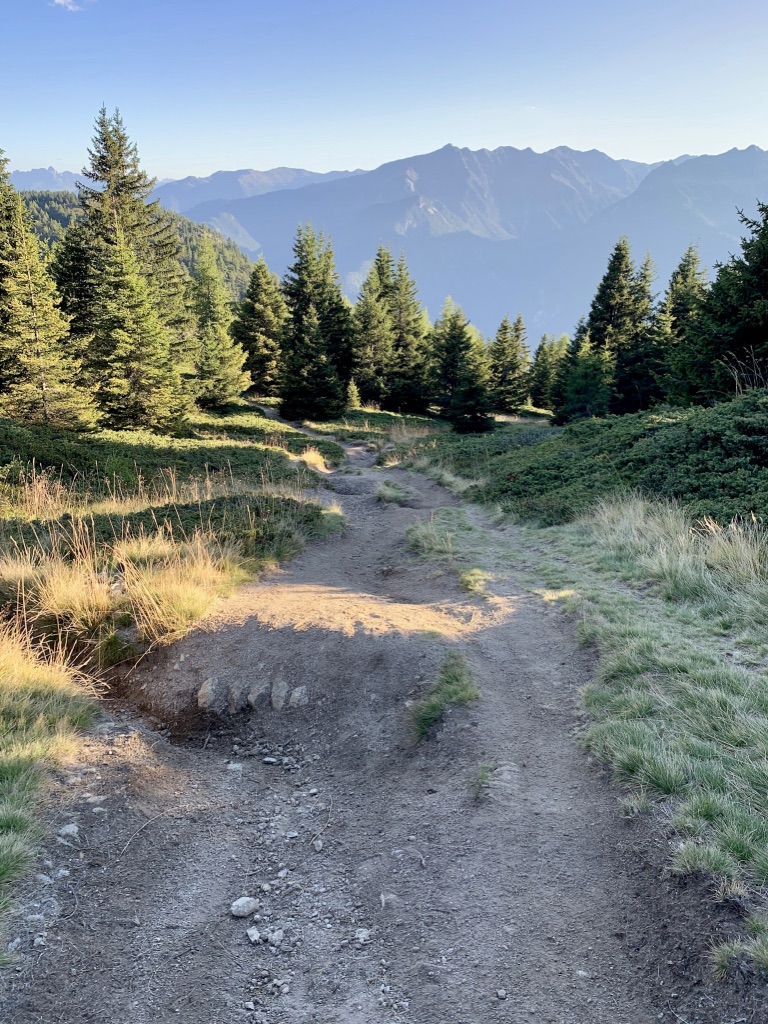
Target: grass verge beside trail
(379, 428)
(43, 703)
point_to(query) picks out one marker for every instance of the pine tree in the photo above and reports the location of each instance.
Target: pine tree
(7, 257)
(545, 368)
(317, 341)
(115, 207)
(676, 330)
(637, 361)
(33, 336)
(219, 363)
(589, 382)
(461, 372)
(135, 379)
(311, 387)
(407, 385)
(374, 337)
(258, 326)
(510, 367)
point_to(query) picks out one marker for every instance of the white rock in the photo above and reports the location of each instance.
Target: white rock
(279, 693)
(254, 935)
(244, 907)
(44, 879)
(298, 697)
(234, 766)
(211, 696)
(317, 845)
(274, 938)
(69, 830)
(583, 974)
(269, 760)
(291, 835)
(363, 935)
(501, 993)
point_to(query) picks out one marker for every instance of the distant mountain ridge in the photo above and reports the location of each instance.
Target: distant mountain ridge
(501, 231)
(181, 195)
(44, 179)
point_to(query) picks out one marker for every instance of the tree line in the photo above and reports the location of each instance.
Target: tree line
(125, 323)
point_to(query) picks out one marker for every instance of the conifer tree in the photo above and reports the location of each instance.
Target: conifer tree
(407, 387)
(547, 360)
(220, 375)
(588, 385)
(311, 387)
(374, 337)
(510, 367)
(7, 254)
(461, 370)
(115, 206)
(637, 361)
(135, 379)
(315, 338)
(677, 327)
(33, 337)
(258, 326)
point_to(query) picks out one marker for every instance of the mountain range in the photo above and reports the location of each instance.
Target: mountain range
(501, 231)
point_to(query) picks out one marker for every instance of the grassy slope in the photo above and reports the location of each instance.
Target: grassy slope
(713, 460)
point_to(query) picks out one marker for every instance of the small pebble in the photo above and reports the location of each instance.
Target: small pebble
(317, 845)
(501, 993)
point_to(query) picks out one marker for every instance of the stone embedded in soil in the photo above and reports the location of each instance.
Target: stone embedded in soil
(317, 845)
(254, 935)
(212, 696)
(501, 993)
(279, 693)
(298, 697)
(69, 830)
(244, 907)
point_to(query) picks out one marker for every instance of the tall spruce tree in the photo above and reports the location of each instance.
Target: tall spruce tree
(315, 337)
(33, 336)
(637, 361)
(7, 257)
(130, 364)
(219, 363)
(374, 336)
(461, 372)
(407, 387)
(619, 326)
(544, 369)
(258, 326)
(510, 365)
(675, 328)
(116, 206)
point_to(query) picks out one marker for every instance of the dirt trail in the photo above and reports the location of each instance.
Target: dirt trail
(391, 886)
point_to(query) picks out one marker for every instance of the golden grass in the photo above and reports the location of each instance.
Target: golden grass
(42, 702)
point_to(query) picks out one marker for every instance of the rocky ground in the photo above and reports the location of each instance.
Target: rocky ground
(265, 841)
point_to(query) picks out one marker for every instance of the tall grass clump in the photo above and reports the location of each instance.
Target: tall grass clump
(43, 702)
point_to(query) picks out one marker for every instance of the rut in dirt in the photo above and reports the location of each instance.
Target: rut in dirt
(481, 875)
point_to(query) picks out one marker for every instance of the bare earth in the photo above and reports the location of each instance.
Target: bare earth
(392, 887)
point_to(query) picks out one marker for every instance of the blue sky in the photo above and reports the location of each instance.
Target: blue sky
(329, 84)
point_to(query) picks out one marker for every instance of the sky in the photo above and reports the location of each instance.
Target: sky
(336, 84)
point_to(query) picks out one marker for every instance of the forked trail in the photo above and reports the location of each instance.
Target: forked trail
(482, 875)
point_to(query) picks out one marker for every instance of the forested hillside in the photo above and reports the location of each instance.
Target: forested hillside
(53, 212)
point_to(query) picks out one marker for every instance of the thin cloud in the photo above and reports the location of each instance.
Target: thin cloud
(69, 5)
